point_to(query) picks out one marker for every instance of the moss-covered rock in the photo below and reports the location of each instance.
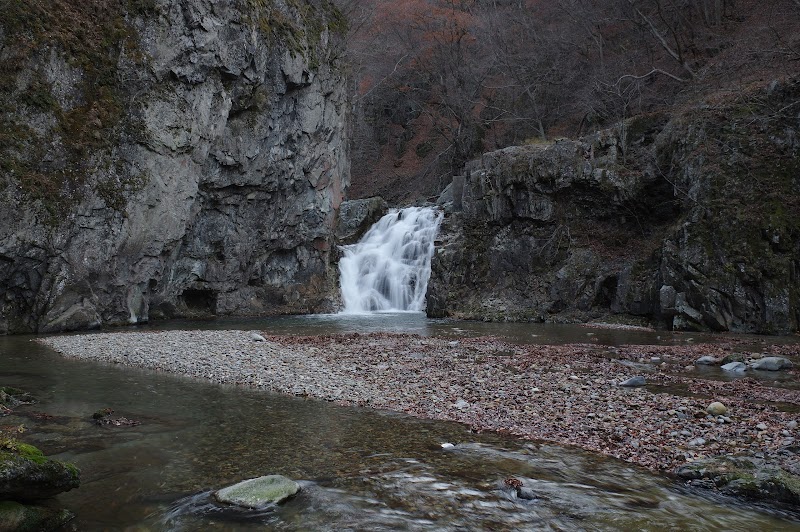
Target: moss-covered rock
(26, 474)
(744, 477)
(24, 518)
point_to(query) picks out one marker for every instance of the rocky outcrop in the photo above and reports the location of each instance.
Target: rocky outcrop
(357, 216)
(690, 221)
(192, 167)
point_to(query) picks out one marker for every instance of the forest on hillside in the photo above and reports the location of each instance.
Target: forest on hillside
(437, 82)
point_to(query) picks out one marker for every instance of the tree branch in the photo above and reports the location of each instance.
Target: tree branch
(654, 71)
(661, 39)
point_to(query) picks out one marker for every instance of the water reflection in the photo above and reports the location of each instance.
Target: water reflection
(418, 323)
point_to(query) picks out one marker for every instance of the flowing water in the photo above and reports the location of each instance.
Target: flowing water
(388, 270)
(360, 469)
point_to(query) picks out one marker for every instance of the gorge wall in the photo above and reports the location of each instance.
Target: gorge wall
(164, 159)
(690, 221)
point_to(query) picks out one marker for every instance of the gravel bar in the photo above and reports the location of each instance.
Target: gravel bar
(568, 395)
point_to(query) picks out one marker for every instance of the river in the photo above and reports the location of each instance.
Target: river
(360, 469)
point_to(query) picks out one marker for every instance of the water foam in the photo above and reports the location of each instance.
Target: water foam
(388, 270)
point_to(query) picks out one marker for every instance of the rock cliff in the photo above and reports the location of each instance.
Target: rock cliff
(690, 221)
(167, 159)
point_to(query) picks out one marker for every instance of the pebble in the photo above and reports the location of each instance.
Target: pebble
(792, 425)
(257, 337)
(461, 404)
(717, 409)
(761, 426)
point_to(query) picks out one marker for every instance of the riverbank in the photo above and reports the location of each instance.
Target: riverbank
(568, 395)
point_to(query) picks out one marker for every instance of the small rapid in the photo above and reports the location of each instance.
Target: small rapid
(389, 269)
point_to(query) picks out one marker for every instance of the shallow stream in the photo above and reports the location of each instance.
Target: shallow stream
(360, 469)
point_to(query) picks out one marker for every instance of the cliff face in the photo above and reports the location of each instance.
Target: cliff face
(167, 159)
(690, 221)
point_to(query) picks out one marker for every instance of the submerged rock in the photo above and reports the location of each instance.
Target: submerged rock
(11, 397)
(26, 474)
(771, 364)
(744, 477)
(258, 492)
(734, 367)
(707, 360)
(17, 516)
(103, 418)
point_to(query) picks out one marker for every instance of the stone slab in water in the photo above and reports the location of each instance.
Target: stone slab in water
(707, 360)
(258, 492)
(735, 367)
(772, 364)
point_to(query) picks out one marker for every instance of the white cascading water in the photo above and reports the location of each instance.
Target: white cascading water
(388, 270)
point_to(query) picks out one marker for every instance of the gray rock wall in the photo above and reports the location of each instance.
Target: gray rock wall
(229, 165)
(693, 223)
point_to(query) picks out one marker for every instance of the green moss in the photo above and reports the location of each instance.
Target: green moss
(30, 452)
(299, 25)
(10, 446)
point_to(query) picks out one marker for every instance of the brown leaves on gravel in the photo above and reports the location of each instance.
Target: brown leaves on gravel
(567, 394)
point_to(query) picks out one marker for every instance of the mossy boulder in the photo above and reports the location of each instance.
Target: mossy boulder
(744, 477)
(26, 474)
(259, 492)
(24, 518)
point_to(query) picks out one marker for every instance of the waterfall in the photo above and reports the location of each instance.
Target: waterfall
(390, 267)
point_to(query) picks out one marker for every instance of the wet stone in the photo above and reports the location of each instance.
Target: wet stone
(259, 492)
(707, 360)
(771, 364)
(633, 382)
(735, 367)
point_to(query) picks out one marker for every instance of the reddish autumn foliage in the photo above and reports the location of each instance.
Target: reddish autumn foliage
(439, 81)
